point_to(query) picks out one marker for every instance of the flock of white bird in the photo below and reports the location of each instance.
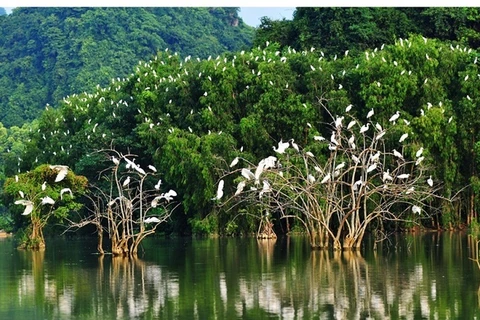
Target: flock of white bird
(84, 109)
(62, 172)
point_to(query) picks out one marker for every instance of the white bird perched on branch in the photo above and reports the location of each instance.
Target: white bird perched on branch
(151, 220)
(247, 174)
(332, 138)
(403, 137)
(65, 190)
(240, 187)
(294, 145)
(351, 124)
(234, 162)
(430, 181)
(375, 157)
(47, 200)
(364, 128)
(419, 152)
(326, 178)
(152, 168)
(219, 191)
(266, 188)
(310, 178)
(394, 117)
(380, 135)
(115, 160)
(126, 182)
(44, 185)
(416, 209)
(318, 138)
(340, 166)
(403, 176)
(387, 176)
(397, 154)
(157, 186)
(370, 113)
(61, 172)
(372, 167)
(282, 146)
(420, 159)
(28, 206)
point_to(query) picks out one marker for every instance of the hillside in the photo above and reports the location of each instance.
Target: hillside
(49, 53)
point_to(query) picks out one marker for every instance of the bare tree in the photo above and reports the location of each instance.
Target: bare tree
(355, 177)
(127, 211)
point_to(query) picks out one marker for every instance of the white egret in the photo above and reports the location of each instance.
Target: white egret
(240, 187)
(419, 160)
(21, 193)
(318, 138)
(294, 145)
(380, 135)
(151, 220)
(157, 186)
(65, 190)
(416, 209)
(326, 178)
(115, 160)
(355, 159)
(375, 157)
(282, 146)
(403, 176)
(248, 174)
(332, 139)
(338, 121)
(387, 176)
(310, 178)
(394, 117)
(44, 185)
(219, 190)
(310, 154)
(403, 137)
(28, 206)
(169, 195)
(266, 188)
(430, 181)
(62, 172)
(397, 154)
(364, 128)
(126, 182)
(351, 124)
(370, 113)
(234, 162)
(372, 167)
(348, 108)
(47, 200)
(152, 168)
(340, 166)
(410, 190)
(419, 152)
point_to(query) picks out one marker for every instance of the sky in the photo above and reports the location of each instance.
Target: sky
(252, 15)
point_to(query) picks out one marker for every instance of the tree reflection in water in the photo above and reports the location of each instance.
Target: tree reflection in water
(424, 276)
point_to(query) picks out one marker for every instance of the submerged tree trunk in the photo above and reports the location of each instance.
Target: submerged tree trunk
(35, 239)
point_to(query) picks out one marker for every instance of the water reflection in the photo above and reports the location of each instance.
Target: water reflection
(421, 276)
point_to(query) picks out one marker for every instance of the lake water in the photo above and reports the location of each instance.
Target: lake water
(428, 276)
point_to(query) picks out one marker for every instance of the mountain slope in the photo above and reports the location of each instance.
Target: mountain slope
(49, 53)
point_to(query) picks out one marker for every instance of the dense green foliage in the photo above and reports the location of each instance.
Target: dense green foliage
(48, 53)
(335, 30)
(190, 117)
